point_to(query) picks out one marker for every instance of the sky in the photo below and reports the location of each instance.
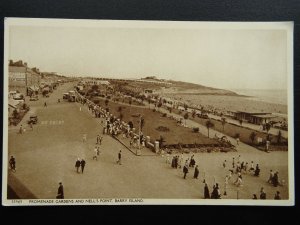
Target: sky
(221, 58)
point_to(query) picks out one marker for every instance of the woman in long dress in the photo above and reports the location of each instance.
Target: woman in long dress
(206, 192)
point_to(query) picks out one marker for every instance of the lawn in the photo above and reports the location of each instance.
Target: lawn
(176, 134)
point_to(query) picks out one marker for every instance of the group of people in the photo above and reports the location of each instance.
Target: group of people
(215, 194)
(273, 178)
(177, 162)
(263, 195)
(80, 163)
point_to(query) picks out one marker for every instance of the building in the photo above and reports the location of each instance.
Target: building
(22, 78)
(258, 118)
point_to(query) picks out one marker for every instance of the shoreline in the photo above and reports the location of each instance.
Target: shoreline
(227, 102)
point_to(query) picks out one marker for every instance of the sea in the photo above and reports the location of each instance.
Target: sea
(267, 95)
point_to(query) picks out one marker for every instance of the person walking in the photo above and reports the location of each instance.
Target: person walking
(257, 171)
(12, 163)
(98, 139)
(180, 160)
(84, 138)
(82, 164)
(239, 180)
(45, 104)
(216, 192)
(206, 192)
(185, 170)
(237, 141)
(119, 157)
(267, 145)
(77, 165)
(246, 167)
(60, 191)
(196, 173)
(224, 164)
(263, 194)
(21, 129)
(275, 180)
(233, 163)
(270, 180)
(31, 125)
(277, 196)
(225, 185)
(96, 153)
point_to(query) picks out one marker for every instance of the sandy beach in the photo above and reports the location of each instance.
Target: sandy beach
(230, 103)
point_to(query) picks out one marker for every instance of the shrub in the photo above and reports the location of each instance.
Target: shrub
(96, 101)
(196, 129)
(163, 129)
(164, 115)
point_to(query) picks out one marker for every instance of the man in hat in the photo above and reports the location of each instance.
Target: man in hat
(12, 163)
(196, 172)
(277, 196)
(119, 157)
(185, 170)
(60, 192)
(82, 164)
(263, 194)
(77, 165)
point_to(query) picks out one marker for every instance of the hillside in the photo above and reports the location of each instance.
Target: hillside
(186, 88)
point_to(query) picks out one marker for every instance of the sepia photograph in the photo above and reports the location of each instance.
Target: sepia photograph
(119, 112)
